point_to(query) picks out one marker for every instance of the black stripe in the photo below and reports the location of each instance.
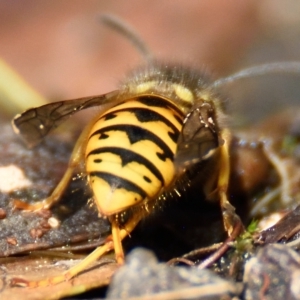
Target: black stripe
(136, 134)
(147, 179)
(159, 102)
(109, 116)
(128, 156)
(103, 136)
(178, 118)
(119, 183)
(147, 115)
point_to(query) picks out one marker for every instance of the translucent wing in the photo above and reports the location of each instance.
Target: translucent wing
(198, 138)
(35, 123)
(258, 91)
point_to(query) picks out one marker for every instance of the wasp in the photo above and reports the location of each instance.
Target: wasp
(164, 122)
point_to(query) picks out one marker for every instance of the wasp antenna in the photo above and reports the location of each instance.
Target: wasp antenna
(129, 33)
(269, 68)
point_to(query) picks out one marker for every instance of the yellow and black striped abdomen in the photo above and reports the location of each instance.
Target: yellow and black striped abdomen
(130, 151)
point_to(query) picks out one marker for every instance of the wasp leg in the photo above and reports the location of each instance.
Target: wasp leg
(230, 218)
(110, 244)
(55, 196)
(76, 158)
(115, 231)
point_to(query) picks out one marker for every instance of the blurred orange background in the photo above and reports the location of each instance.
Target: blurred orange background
(62, 49)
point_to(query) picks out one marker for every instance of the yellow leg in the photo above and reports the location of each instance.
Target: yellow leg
(53, 198)
(76, 158)
(119, 234)
(115, 230)
(228, 211)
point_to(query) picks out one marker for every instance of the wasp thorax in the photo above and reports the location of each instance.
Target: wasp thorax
(179, 84)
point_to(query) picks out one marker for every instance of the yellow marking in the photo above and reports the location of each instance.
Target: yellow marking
(126, 118)
(134, 172)
(167, 113)
(143, 87)
(144, 147)
(206, 95)
(158, 128)
(183, 93)
(110, 201)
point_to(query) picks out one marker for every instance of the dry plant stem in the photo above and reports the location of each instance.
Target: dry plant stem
(176, 260)
(202, 251)
(225, 246)
(232, 266)
(292, 232)
(50, 254)
(265, 286)
(281, 168)
(89, 246)
(294, 244)
(264, 201)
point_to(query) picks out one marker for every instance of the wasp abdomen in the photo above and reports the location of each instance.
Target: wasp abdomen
(130, 151)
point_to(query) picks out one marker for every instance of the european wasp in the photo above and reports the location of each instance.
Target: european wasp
(162, 125)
